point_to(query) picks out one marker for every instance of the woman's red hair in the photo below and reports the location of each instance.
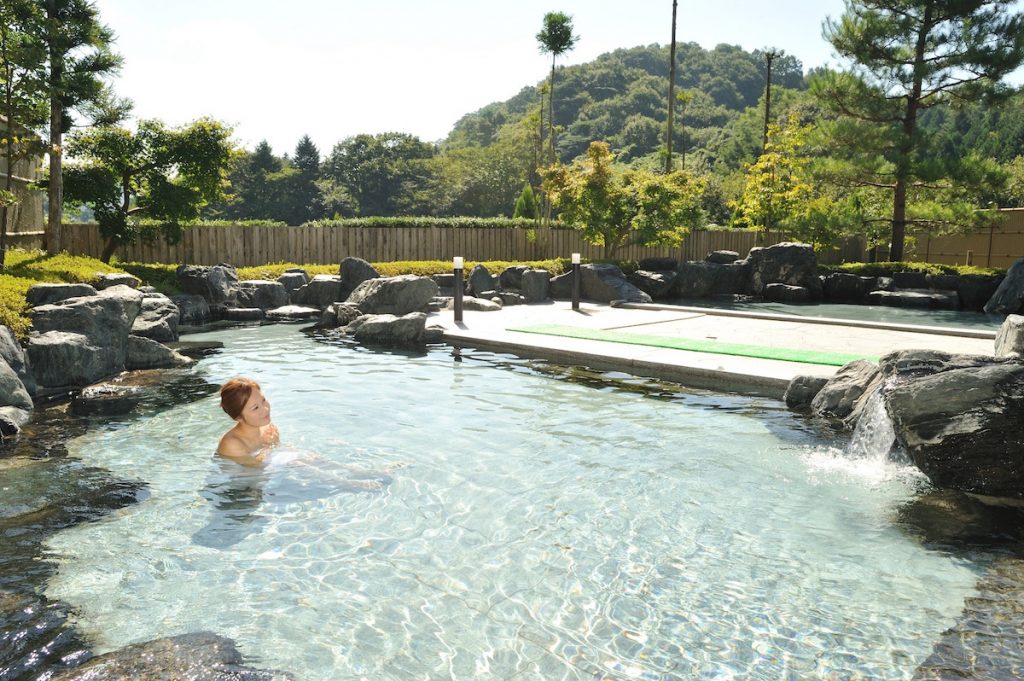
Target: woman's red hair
(235, 393)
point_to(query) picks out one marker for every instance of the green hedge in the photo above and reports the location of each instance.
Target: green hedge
(414, 221)
(887, 269)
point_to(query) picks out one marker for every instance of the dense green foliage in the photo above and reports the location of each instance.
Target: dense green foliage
(165, 175)
(627, 207)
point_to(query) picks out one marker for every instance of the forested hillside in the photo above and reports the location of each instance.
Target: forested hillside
(621, 98)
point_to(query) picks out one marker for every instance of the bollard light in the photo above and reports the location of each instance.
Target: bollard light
(575, 281)
(457, 285)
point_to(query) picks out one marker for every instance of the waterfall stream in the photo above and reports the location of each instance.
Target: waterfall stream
(874, 437)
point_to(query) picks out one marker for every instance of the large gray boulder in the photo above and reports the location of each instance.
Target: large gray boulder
(906, 364)
(215, 284)
(605, 283)
(96, 330)
(157, 319)
(729, 279)
(654, 284)
(480, 281)
(785, 263)
(106, 399)
(321, 291)
(353, 272)
(694, 279)
(535, 285)
(16, 358)
(260, 293)
(976, 289)
(802, 390)
(1010, 339)
(338, 314)
(192, 309)
(839, 397)
(394, 295)
(964, 428)
(784, 293)
(12, 419)
(293, 280)
(474, 304)
(46, 294)
(388, 329)
(63, 361)
(106, 280)
(12, 390)
(560, 287)
(1009, 297)
(144, 353)
(722, 257)
(106, 317)
(512, 277)
(843, 286)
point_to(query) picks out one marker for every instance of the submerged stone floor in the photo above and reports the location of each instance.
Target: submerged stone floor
(745, 374)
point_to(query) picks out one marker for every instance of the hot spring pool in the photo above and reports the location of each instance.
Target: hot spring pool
(488, 518)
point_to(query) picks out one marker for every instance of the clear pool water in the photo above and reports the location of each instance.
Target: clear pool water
(491, 519)
(864, 313)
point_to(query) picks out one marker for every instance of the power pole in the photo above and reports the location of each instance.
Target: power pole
(671, 90)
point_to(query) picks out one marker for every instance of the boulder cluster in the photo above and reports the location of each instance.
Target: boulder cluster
(788, 273)
(960, 418)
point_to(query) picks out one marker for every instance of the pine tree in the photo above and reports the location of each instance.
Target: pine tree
(909, 55)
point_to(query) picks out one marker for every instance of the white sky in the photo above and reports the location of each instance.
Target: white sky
(334, 68)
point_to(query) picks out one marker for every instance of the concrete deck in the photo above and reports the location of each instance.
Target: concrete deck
(491, 330)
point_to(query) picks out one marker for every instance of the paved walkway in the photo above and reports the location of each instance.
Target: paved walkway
(754, 375)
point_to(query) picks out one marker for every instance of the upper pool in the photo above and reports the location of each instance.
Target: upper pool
(491, 517)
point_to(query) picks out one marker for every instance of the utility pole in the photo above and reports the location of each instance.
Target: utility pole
(769, 57)
(671, 90)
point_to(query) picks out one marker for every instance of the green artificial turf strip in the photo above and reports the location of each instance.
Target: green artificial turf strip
(717, 347)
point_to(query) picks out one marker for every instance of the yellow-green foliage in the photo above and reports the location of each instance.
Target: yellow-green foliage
(158, 275)
(13, 308)
(274, 270)
(23, 269)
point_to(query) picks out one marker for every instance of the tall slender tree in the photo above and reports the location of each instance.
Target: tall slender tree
(909, 55)
(555, 38)
(671, 90)
(78, 59)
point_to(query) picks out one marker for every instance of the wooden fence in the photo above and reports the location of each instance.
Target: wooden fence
(997, 247)
(250, 246)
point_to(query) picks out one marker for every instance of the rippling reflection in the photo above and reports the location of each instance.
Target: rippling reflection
(512, 520)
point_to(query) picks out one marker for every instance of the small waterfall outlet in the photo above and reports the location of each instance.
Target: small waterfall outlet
(873, 438)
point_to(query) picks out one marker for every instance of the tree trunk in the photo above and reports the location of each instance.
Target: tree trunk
(903, 162)
(55, 190)
(108, 250)
(671, 90)
(551, 110)
(769, 58)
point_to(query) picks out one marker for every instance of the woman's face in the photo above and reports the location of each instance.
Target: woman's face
(256, 411)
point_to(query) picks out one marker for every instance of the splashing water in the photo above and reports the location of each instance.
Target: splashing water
(874, 437)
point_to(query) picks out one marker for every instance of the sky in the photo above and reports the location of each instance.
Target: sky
(336, 68)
